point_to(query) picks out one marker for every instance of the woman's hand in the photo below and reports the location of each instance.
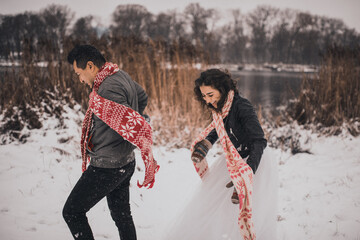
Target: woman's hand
(200, 150)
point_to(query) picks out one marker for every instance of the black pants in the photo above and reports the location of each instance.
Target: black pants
(93, 185)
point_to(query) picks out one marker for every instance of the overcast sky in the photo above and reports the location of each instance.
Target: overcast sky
(347, 10)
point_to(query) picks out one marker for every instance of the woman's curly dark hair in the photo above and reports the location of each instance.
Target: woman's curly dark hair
(217, 79)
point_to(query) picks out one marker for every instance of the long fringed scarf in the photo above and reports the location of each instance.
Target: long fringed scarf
(125, 121)
(241, 174)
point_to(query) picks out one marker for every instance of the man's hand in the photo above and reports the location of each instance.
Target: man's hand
(146, 117)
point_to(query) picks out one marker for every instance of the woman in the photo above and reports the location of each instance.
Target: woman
(209, 214)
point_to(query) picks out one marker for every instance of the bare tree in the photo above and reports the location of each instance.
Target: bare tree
(235, 39)
(302, 35)
(331, 30)
(198, 17)
(178, 25)
(57, 19)
(208, 39)
(10, 41)
(160, 27)
(260, 23)
(14, 28)
(130, 20)
(280, 40)
(350, 38)
(83, 30)
(20, 30)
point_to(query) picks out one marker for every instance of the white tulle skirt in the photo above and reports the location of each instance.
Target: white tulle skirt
(209, 214)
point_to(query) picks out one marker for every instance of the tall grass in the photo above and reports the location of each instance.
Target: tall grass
(332, 96)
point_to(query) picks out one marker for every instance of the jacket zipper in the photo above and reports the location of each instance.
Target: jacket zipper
(232, 133)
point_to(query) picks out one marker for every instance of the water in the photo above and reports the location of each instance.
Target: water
(268, 89)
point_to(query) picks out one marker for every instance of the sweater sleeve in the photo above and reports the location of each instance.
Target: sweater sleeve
(142, 98)
(121, 89)
(115, 92)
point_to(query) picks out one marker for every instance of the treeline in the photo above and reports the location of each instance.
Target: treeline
(266, 34)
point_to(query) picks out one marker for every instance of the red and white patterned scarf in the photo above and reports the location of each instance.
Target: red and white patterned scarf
(125, 121)
(241, 174)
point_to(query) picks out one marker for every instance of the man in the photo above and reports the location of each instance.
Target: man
(113, 127)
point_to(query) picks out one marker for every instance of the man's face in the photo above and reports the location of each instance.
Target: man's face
(86, 75)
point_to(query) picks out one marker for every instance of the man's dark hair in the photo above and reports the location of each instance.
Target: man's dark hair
(84, 53)
(218, 80)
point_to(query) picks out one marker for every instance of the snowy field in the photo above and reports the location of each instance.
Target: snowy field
(319, 193)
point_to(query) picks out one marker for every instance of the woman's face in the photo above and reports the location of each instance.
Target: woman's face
(210, 95)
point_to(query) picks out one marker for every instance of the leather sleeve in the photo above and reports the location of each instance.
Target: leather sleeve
(212, 137)
(255, 134)
(256, 151)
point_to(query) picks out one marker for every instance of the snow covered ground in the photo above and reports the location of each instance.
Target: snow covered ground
(319, 193)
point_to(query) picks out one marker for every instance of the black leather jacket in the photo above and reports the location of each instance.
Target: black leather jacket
(244, 131)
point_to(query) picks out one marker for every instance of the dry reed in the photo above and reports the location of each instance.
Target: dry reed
(331, 97)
